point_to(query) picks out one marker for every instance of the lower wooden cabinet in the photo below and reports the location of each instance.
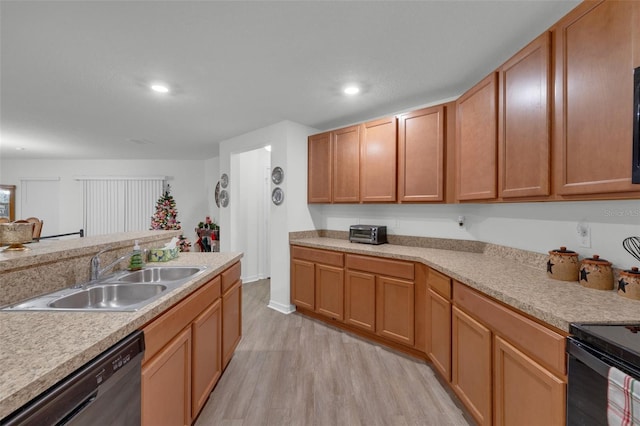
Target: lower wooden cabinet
(360, 300)
(303, 288)
(186, 348)
(439, 339)
(471, 378)
(330, 291)
(525, 392)
(395, 309)
(166, 384)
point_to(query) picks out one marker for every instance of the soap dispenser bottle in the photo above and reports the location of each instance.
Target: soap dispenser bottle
(135, 261)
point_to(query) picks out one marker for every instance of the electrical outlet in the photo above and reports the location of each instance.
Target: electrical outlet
(584, 235)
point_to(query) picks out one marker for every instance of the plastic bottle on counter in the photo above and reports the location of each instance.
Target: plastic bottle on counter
(136, 261)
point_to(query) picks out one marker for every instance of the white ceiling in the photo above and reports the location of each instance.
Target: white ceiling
(74, 74)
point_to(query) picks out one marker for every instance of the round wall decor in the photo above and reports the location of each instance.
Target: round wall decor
(277, 196)
(217, 194)
(224, 180)
(277, 175)
(224, 198)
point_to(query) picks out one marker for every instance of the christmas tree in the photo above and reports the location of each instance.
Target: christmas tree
(165, 217)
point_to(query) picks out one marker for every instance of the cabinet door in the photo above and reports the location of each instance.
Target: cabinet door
(166, 384)
(319, 168)
(593, 101)
(231, 321)
(346, 165)
(636, 35)
(525, 392)
(476, 141)
(378, 161)
(360, 300)
(303, 292)
(395, 309)
(206, 355)
(524, 139)
(421, 155)
(471, 369)
(439, 336)
(330, 291)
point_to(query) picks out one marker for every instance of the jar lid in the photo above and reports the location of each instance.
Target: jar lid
(633, 271)
(596, 260)
(563, 250)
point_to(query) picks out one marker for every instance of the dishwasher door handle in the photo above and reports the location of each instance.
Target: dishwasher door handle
(83, 405)
(586, 356)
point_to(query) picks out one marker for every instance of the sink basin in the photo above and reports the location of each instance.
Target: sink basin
(108, 296)
(158, 274)
(123, 291)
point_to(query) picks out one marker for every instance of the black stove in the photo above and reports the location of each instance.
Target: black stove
(621, 341)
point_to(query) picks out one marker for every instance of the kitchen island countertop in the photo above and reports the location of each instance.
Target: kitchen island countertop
(39, 348)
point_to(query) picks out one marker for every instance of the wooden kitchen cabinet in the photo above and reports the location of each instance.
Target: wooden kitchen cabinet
(593, 47)
(317, 281)
(439, 323)
(360, 300)
(319, 168)
(378, 153)
(423, 140)
(330, 291)
(476, 141)
(524, 137)
(395, 309)
(346, 165)
(471, 372)
(525, 392)
(166, 384)
(231, 312)
(206, 357)
(636, 35)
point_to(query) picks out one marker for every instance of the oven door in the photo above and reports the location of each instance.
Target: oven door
(588, 371)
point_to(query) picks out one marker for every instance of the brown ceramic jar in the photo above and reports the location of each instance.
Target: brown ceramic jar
(596, 273)
(629, 283)
(563, 265)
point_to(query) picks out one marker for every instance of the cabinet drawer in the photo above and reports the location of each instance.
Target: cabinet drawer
(538, 341)
(162, 329)
(390, 268)
(439, 283)
(318, 256)
(230, 276)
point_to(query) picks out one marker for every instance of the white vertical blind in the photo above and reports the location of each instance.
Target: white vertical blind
(119, 204)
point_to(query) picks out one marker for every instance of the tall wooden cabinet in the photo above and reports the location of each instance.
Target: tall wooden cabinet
(476, 141)
(524, 137)
(378, 161)
(424, 145)
(319, 160)
(593, 98)
(345, 180)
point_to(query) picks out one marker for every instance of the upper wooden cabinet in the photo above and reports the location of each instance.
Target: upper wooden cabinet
(476, 141)
(636, 35)
(524, 122)
(593, 47)
(345, 145)
(319, 168)
(422, 154)
(378, 161)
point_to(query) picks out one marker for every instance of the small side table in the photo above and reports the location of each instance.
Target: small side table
(208, 239)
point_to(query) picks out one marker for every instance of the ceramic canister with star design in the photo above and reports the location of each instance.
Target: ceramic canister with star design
(629, 283)
(563, 265)
(596, 273)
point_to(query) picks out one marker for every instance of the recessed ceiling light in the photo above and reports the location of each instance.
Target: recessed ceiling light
(351, 90)
(160, 88)
(20, 148)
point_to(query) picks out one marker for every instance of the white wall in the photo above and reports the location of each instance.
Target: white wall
(211, 178)
(186, 177)
(537, 227)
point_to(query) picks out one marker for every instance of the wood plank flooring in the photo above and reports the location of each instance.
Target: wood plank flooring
(292, 370)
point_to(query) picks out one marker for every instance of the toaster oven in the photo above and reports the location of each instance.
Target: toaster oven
(368, 234)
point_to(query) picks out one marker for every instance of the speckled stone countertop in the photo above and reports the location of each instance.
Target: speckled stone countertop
(38, 349)
(516, 283)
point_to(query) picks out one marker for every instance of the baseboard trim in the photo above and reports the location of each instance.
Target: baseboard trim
(283, 309)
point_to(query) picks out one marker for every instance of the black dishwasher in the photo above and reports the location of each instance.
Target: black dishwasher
(105, 391)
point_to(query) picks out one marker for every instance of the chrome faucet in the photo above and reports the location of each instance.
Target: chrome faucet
(96, 272)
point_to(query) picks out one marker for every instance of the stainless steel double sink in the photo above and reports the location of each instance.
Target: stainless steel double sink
(123, 291)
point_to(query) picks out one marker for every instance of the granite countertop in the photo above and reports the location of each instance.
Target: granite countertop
(40, 348)
(522, 286)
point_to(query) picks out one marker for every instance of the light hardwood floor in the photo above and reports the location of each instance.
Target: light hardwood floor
(292, 370)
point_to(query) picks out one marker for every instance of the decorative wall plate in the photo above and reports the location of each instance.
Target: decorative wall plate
(224, 180)
(217, 194)
(277, 175)
(224, 198)
(277, 196)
